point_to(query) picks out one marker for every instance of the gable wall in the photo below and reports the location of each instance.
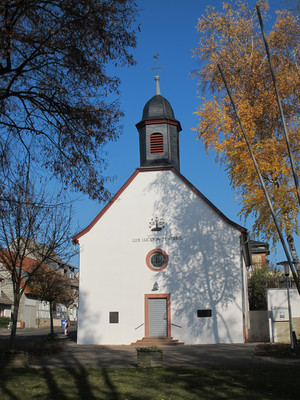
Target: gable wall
(6, 286)
(204, 269)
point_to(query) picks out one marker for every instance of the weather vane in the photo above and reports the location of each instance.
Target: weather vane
(157, 67)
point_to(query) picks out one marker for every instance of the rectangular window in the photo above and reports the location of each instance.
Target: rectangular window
(203, 313)
(114, 317)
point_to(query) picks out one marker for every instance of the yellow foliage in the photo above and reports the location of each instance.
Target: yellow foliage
(232, 38)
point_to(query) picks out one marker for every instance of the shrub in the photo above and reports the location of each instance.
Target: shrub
(4, 321)
(149, 349)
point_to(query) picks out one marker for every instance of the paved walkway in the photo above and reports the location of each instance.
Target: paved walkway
(221, 356)
(96, 356)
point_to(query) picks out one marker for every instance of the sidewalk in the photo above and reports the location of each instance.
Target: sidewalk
(218, 356)
(99, 356)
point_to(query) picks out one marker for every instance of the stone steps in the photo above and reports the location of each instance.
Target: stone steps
(157, 341)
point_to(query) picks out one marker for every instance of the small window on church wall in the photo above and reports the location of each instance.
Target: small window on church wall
(114, 317)
(204, 313)
(156, 143)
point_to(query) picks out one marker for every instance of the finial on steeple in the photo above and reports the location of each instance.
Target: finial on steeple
(157, 88)
(157, 67)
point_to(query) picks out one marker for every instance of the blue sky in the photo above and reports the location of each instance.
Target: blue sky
(167, 29)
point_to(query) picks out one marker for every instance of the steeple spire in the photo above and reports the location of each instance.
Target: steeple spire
(157, 88)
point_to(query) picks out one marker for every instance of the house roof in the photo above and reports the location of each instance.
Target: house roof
(36, 250)
(28, 264)
(143, 170)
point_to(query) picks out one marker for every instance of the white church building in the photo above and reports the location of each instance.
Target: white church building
(160, 260)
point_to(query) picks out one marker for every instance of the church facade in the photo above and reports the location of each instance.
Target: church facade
(160, 260)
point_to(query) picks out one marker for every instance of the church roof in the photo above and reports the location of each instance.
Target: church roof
(158, 108)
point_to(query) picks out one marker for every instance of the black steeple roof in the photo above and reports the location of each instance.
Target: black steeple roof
(158, 108)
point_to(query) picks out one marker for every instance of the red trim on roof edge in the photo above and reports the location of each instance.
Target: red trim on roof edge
(108, 205)
(195, 190)
(127, 183)
(159, 121)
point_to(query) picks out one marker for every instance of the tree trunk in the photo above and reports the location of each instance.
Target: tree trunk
(51, 318)
(12, 340)
(294, 254)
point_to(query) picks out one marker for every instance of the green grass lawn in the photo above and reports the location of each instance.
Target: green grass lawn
(269, 382)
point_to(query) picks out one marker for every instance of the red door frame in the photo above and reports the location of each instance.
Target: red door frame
(158, 296)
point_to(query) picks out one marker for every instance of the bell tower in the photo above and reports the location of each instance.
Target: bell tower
(159, 133)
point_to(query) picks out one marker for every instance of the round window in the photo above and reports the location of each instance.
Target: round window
(157, 260)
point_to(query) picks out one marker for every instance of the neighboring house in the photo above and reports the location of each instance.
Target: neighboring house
(259, 252)
(28, 307)
(54, 262)
(33, 312)
(5, 294)
(160, 260)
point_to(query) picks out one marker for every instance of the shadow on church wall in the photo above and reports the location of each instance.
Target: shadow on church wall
(204, 265)
(203, 273)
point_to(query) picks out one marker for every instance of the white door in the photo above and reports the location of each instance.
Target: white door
(158, 317)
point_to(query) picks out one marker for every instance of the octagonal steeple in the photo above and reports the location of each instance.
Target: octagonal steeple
(159, 133)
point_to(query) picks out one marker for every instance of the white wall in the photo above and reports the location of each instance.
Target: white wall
(5, 312)
(277, 299)
(204, 270)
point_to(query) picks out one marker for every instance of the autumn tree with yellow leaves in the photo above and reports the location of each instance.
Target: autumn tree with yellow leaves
(232, 38)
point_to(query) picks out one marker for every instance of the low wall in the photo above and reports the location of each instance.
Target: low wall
(45, 322)
(278, 314)
(281, 330)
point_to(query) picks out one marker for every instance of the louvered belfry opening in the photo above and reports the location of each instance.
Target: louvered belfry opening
(156, 143)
